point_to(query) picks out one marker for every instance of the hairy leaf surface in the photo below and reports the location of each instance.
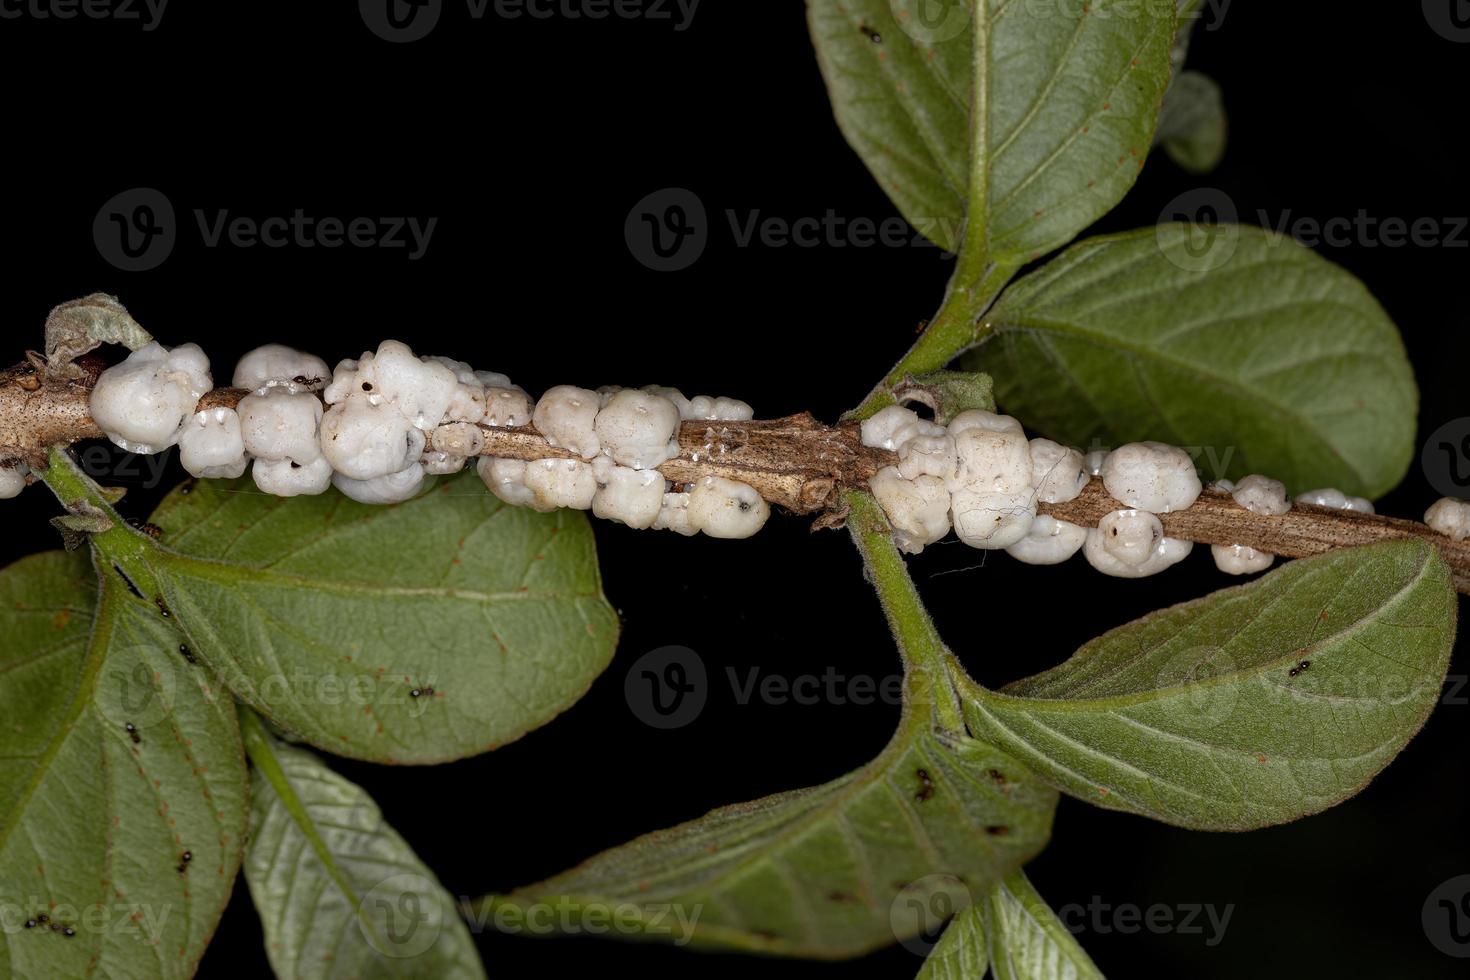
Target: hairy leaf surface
(429, 630)
(119, 757)
(1242, 345)
(1068, 93)
(1027, 941)
(341, 896)
(1256, 705)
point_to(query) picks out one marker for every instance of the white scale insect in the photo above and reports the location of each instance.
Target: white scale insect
(979, 475)
(370, 440)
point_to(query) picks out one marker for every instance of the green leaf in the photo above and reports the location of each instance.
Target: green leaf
(340, 894)
(82, 325)
(1027, 940)
(1068, 91)
(949, 393)
(1253, 706)
(1192, 125)
(95, 819)
(827, 872)
(327, 615)
(1240, 344)
(962, 953)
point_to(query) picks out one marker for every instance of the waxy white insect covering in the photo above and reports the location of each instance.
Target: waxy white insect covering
(1449, 517)
(144, 403)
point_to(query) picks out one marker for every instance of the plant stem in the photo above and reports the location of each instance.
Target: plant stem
(1303, 531)
(797, 463)
(919, 644)
(954, 329)
(121, 545)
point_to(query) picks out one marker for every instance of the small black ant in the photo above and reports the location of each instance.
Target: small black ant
(184, 860)
(871, 34)
(68, 932)
(1299, 668)
(188, 654)
(158, 601)
(132, 731)
(31, 923)
(926, 786)
(42, 919)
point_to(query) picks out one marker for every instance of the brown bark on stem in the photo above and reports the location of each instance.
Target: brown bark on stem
(796, 462)
(1305, 530)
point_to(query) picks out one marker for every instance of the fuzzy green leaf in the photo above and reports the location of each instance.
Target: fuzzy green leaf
(1238, 343)
(95, 819)
(827, 872)
(1192, 125)
(1069, 93)
(1027, 941)
(341, 896)
(962, 953)
(1256, 705)
(328, 615)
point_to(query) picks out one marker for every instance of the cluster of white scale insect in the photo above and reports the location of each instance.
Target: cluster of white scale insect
(366, 428)
(983, 477)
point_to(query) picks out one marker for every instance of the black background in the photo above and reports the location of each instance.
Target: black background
(530, 140)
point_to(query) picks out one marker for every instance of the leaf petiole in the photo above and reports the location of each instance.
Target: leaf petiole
(919, 644)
